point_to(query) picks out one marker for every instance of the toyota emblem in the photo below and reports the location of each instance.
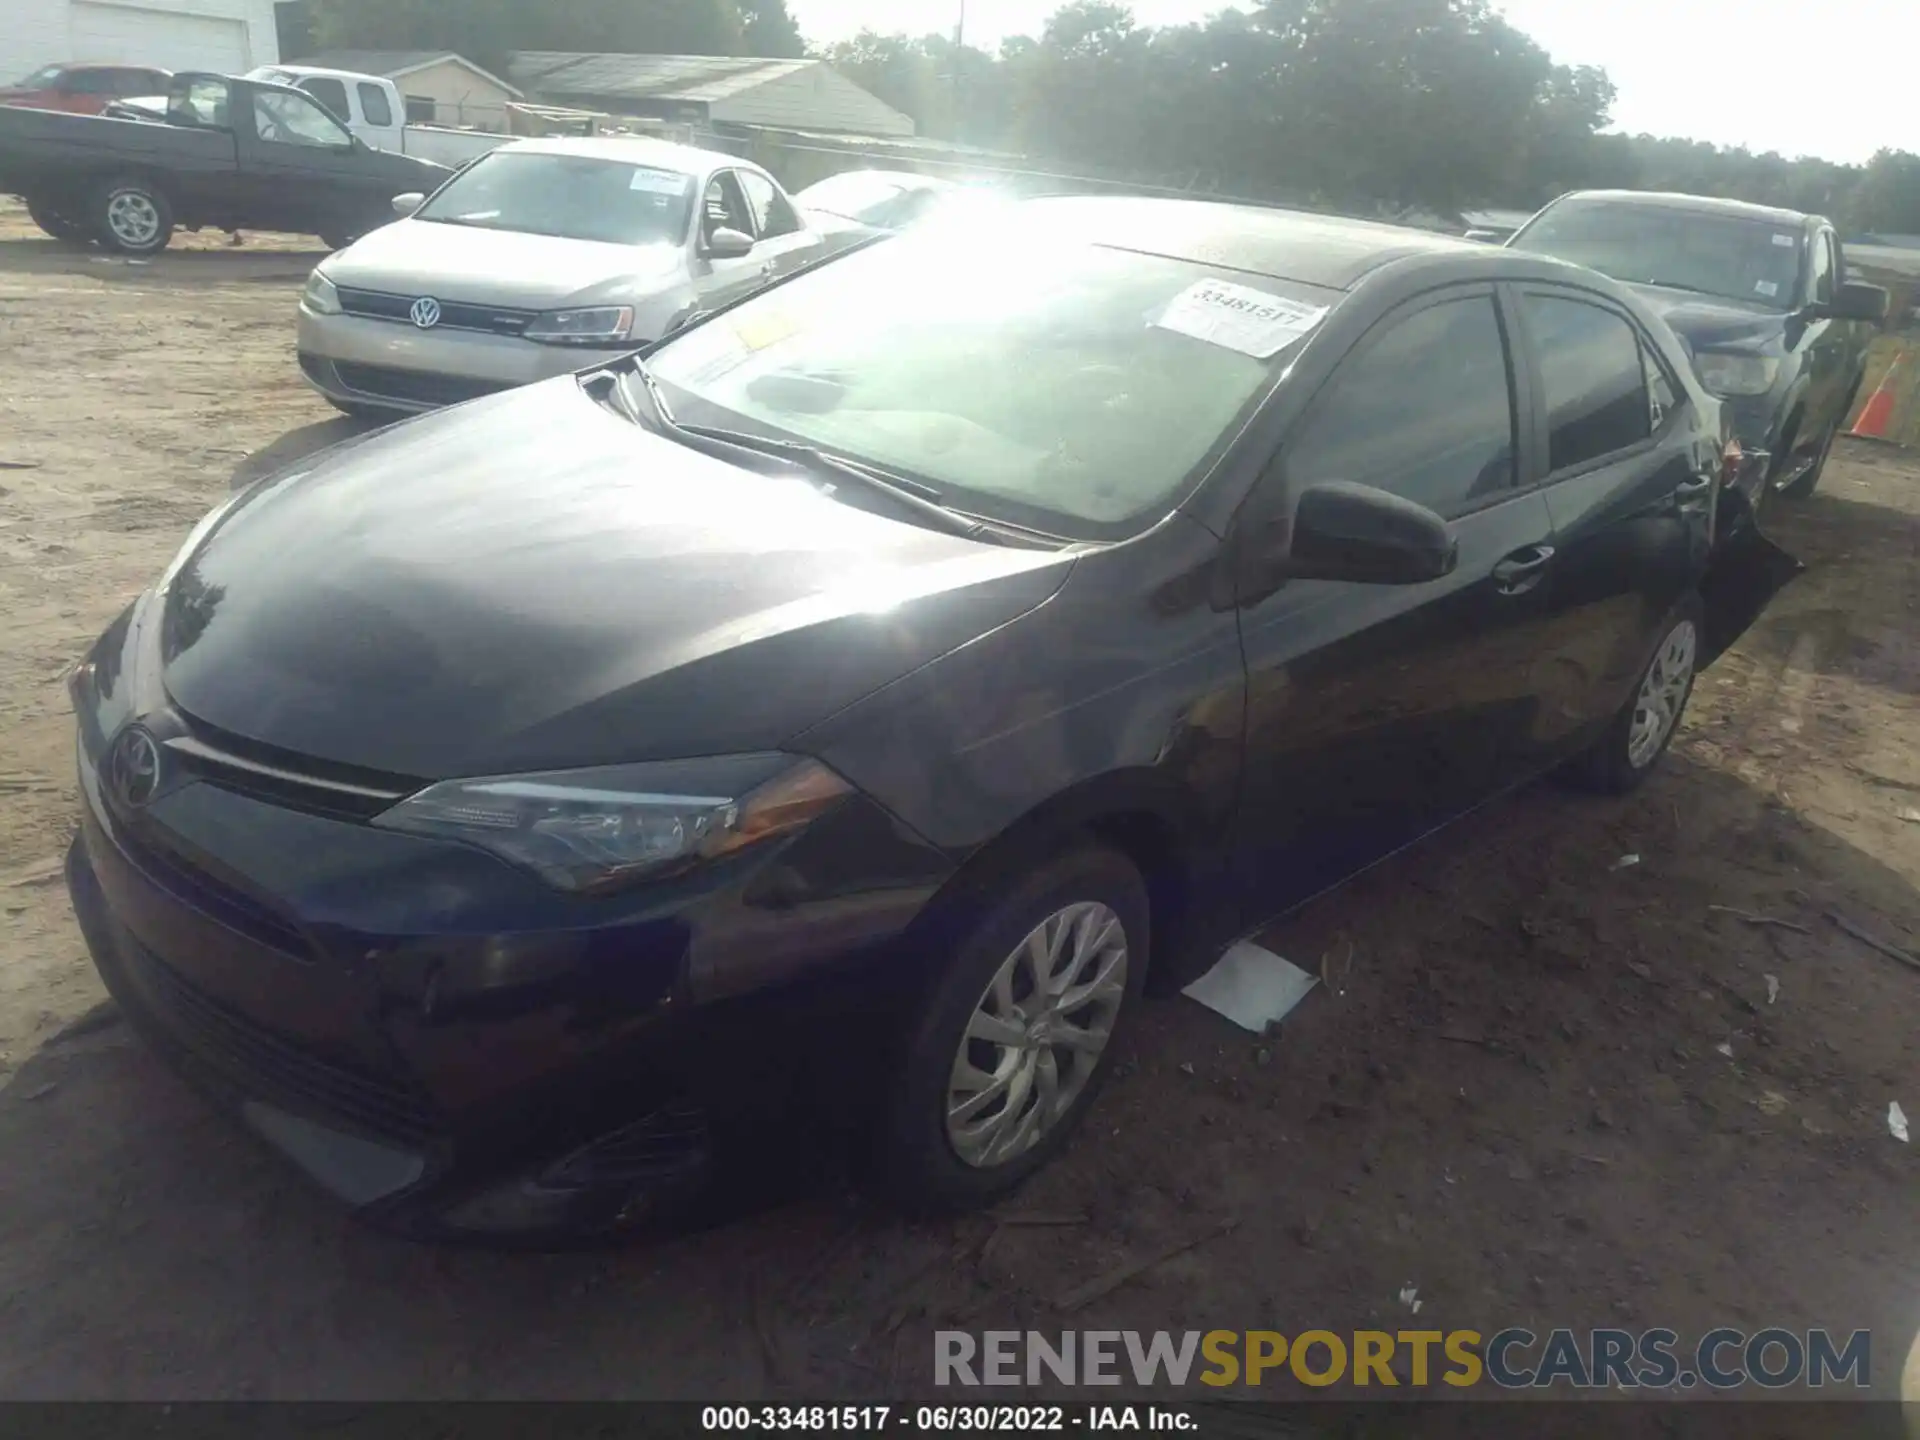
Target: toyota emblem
(425, 312)
(133, 770)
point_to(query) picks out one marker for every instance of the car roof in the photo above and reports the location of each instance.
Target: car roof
(635, 149)
(1328, 251)
(911, 178)
(1695, 204)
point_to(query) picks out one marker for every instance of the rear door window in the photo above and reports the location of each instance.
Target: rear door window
(772, 215)
(1423, 410)
(374, 105)
(1593, 377)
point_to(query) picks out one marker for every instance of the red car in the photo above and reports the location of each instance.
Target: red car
(84, 89)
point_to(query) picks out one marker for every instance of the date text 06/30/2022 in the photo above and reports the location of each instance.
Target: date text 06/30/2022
(936, 1419)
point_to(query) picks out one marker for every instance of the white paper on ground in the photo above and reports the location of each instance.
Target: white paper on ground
(1897, 1122)
(1238, 317)
(1251, 986)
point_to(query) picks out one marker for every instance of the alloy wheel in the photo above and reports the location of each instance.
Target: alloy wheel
(133, 218)
(1662, 693)
(1036, 1035)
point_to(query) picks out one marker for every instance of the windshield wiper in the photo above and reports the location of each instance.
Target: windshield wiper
(1677, 285)
(923, 500)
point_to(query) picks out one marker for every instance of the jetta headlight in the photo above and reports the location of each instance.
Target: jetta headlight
(603, 325)
(320, 296)
(1725, 373)
(593, 830)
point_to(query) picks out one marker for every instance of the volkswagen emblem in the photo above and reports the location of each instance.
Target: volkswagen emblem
(425, 312)
(133, 769)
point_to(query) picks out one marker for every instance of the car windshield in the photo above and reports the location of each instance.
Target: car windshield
(1724, 255)
(858, 195)
(576, 197)
(43, 77)
(1058, 385)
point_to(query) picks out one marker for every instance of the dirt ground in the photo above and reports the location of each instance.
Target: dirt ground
(1547, 1086)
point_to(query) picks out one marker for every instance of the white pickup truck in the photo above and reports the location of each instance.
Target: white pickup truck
(373, 109)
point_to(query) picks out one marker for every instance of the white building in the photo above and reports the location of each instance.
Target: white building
(230, 36)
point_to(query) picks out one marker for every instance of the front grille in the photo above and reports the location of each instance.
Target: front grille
(294, 782)
(263, 1064)
(454, 314)
(420, 387)
(195, 889)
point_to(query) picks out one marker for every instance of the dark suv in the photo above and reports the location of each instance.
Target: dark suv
(1760, 298)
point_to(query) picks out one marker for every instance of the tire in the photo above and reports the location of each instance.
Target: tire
(1085, 893)
(132, 216)
(1623, 757)
(57, 223)
(1801, 488)
(338, 239)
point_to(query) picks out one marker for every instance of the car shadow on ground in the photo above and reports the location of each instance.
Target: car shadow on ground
(204, 263)
(1510, 1090)
(297, 445)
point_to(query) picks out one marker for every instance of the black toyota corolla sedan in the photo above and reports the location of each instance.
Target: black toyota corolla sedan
(938, 645)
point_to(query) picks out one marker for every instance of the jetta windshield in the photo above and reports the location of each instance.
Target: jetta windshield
(1723, 255)
(1065, 386)
(575, 197)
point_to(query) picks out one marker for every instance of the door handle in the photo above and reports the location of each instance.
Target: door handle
(1688, 491)
(1522, 570)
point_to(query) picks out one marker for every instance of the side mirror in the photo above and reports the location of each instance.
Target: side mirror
(728, 244)
(1857, 301)
(1343, 531)
(405, 205)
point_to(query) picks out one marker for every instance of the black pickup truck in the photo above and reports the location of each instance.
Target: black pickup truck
(1759, 296)
(229, 153)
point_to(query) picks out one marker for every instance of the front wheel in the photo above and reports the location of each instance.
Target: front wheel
(132, 216)
(1642, 731)
(1803, 484)
(1015, 1036)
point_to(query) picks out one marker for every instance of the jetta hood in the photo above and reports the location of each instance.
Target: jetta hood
(532, 582)
(1707, 322)
(501, 267)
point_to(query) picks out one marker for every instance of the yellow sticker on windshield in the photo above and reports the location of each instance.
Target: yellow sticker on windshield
(769, 327)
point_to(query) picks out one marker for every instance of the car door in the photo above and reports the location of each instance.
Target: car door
(719, 279)
(783, 239)
(1376, 712)
(301, 170)
(1631, 504)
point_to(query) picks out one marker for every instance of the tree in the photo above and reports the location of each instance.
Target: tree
(769, 29)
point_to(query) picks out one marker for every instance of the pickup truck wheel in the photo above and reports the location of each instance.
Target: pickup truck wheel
(1802, 485)
(133, 217)
(338, 239)
(57, 223)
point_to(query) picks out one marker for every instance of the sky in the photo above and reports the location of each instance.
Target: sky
(1833, 78)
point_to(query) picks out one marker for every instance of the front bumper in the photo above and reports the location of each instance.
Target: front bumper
(353, 360)
(437, 1039)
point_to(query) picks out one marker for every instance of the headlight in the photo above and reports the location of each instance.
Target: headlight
(594, 830)
(608, 324)
(1729, 374)
(320, 296)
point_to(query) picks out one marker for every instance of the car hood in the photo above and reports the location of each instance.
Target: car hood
(1706, 322)
(501, 267)
(532, 582)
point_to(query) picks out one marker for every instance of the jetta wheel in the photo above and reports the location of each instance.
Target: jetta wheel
(1015, 1036)
(1644, 729)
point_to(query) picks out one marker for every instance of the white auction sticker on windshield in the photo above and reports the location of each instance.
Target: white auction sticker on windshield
(658, 182)
(1253, 322)
(1768, 288)
(1786, 242)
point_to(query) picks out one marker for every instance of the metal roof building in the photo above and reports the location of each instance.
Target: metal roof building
(710, 90)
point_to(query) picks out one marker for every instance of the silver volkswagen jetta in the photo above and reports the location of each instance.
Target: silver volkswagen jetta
(539, 258)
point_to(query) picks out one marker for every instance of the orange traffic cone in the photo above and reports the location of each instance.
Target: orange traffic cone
(1877, 414)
